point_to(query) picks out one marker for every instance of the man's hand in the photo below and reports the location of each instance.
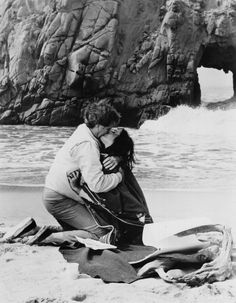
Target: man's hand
(111, 162)
(74, 179)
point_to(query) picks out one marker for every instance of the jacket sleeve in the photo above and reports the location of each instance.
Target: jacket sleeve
(87, 156)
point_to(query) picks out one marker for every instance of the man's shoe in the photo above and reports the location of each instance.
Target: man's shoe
(21, 228)
(42, 234)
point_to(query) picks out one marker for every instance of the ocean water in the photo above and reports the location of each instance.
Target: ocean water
(188, 149)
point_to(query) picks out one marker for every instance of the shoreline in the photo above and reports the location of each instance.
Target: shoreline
(17, 202)
(145, 189)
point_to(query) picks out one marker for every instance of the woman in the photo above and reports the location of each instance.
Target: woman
(126, 203)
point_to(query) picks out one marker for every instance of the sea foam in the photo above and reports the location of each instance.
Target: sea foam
(199, 121)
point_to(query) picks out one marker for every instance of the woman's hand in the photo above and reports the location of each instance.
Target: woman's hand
(111, 162)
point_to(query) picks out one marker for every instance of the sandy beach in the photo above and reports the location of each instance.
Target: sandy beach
(40, 274)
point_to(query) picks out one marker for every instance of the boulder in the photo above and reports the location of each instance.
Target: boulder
(141, 56)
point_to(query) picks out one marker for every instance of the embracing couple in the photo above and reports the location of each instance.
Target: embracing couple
(90, 185)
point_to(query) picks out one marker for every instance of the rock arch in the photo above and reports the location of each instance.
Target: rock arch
(57, 56)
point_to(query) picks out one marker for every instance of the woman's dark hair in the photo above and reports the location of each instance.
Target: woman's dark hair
(101, 113)
(123, 146)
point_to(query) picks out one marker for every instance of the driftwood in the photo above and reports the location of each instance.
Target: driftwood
(209, 264)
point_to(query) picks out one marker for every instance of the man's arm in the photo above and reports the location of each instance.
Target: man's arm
(87, 155)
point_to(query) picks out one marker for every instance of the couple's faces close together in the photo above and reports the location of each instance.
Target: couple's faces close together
(106, 134)
(110, 135)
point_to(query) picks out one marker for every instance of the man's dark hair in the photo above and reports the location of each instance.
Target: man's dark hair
(123, 146)
(101, 113)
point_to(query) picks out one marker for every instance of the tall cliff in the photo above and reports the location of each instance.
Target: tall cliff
(56, 56)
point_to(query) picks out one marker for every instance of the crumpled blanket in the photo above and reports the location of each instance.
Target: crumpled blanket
(109, 265)
(194, 264)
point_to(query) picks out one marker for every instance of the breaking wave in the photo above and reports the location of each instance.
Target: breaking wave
(198, 121)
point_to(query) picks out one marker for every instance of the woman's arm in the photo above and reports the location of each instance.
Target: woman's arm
(110, 163)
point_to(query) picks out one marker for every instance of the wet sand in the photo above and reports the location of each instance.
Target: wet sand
(40, 274)
(18, 202)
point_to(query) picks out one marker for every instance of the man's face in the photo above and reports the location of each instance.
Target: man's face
(109, 138)
(103, 130)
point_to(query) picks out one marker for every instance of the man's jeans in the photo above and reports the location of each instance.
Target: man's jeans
(73, 215)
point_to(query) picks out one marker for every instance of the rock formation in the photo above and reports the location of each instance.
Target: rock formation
(56, 56)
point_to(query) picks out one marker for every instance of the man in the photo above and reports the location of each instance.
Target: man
(77, 161)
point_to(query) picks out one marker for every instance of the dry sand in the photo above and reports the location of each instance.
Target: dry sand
(40, 274)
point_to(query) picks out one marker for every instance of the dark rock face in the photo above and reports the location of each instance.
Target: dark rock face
(56, 56)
